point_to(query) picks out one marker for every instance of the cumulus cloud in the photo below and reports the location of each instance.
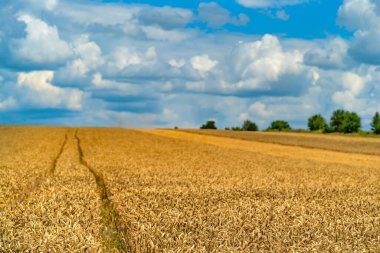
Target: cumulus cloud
(276, 14)
(158, 33)
(352, 85)
(216, 16)
(42, 43)
(261, 64)
(260, 109)
(101, 83)
(45, 4)
(88, 56)
(177, 63)
(203, 64)
(7, 103)
(38, 91)
(282, 15)
(121, 58)
(147, 65)
(328, 54)
(166, 17)
(92, 14)
(269, 3)
(362, 16)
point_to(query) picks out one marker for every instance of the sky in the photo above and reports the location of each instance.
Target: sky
(153, 64)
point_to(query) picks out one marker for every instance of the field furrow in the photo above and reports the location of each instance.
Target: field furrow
(63, 215)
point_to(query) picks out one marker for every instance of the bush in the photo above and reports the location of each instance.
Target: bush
(209, 125)
(316, 123)
(249, 126)
(376, 123)
(345, 122)
(279, 125)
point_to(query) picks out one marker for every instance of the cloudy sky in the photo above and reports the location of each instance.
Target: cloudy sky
(180, 63)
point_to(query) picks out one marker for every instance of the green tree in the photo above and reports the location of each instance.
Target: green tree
(279, 125)
(376, 123)
(336, 120)
(345, 122)
(209, 125)
(316, 122)
(249, 126)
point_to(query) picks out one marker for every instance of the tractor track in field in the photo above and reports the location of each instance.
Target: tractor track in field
(55, 161)
(42, 178)
(114, 235)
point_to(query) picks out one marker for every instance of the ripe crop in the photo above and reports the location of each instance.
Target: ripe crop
(185, 193)
(370, 146)
(119, 190)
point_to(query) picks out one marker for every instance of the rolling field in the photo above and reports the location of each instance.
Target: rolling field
(333, 142)
(119, 190)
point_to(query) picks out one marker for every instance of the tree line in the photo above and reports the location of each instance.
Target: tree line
(341, 121)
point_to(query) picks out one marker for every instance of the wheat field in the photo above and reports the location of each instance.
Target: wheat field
(122, 190)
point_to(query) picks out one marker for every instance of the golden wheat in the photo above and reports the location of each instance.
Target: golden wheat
(26, 156)
(191, 194)
(349, 144)
(61, 215)
(90, 190)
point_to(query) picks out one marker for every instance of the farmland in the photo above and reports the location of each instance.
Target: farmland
(107, 189)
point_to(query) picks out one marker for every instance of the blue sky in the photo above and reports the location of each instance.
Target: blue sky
(180, 63)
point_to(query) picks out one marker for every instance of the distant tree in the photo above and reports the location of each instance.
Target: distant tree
(176, 128)
(336, 120)
(249, 126)
(345, 122)
(316, 123)
(279, 125)
(237, 128)
(376, 123)
(209, 125)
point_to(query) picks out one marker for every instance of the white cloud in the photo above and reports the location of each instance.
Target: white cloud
(256, 64)
(269, 3)
(362, 17)
(101, 83)
(151, 53)
(38, 91)
(282, 15)
(42, 43)
(121, 58)
(155, 32)
(216, 16)
(266, 58)
(91, 14)
(353, 85)
(166, 17)
(177, 63)
(260, 109)
(45, 4)
(8, 103)
(203, 64)
(358, 14)
(88, 57)
(328, 54)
